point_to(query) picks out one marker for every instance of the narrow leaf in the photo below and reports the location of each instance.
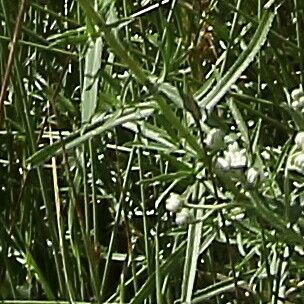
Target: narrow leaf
(240, 65)
(82, 135)
(91, 79)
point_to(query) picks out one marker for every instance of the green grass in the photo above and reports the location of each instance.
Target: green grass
(107, 108)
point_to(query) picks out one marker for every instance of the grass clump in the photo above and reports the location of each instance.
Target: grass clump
(151, 151)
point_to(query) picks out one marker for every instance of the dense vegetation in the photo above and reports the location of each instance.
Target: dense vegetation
(151, 151)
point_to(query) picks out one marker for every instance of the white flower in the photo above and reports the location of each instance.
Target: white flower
(301, 101)
(297, 93)
(183, 217)
(295, 105)
(299, 140)
(237, 159)
(233, 147)
(174, 203)
(230, 138)
(214, 139)
(266, 155)
(252, 176)
(299, 162)
(222, 164)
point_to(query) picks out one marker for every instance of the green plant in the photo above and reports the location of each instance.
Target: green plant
(110, 109)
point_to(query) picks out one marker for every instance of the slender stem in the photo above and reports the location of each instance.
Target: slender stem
(10, 60)
(213, 207)
(115, 226)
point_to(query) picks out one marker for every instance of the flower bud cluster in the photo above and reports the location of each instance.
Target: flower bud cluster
(298, 160)
(234, 158)
(175, 203)
(297, 96)
(299, 140)
(253, 175)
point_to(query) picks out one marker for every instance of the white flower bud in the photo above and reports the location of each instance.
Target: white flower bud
(252, 176)
(214, 139)
(301, 101)
(233, 147)
(299, 162)
(266, 155)
(299, 140)
(297, 93)
(184, 217)
(230, 138)
(222, 164)
(295, 105)
(298, 104)
(174, 203)
(236, 159)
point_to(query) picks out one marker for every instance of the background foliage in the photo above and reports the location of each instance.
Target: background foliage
(107, 110)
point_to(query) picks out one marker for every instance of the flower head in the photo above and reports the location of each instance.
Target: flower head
(299, 162)
(236, 158)
(183, 217)
(297, 93)
(222, 164)
(233, 147)
(299, 140)
(253, 175)
(174, 203)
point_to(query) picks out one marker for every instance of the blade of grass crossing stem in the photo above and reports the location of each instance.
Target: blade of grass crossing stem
(167, 177)
(241, 64)
(96, 128)
(149, 131)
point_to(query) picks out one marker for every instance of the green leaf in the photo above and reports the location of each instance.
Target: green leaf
(91, 80)
(215, 290)
(239, 121)
(233, 74)
(183, 131)
(98, 127)
(172, 93)
(167, 177)
(191, 259)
